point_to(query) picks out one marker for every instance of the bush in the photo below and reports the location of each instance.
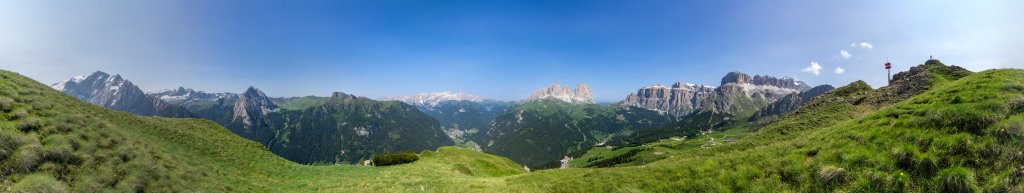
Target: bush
(39, 183)
(831, 175)
(394, 158)
(956, 179)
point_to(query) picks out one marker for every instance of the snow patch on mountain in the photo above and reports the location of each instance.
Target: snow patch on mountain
(432, 99)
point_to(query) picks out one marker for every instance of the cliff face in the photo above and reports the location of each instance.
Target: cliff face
(582, 94)
(739, 92)
(678, 100)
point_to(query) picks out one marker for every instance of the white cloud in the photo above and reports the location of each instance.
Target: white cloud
(866, 45)
(840, 70)
(815, 68)
(844, 54)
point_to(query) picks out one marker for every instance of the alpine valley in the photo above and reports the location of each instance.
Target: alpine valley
(933, 128)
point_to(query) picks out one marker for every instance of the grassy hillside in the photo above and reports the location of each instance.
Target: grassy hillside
(962, 135)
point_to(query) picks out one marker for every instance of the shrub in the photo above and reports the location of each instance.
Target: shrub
(39, 183)
(831, 175)
(956, 179)
(394, 158)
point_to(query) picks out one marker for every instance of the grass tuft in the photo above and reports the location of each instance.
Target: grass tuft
(956, 180)
(831, 175)
(39, 183)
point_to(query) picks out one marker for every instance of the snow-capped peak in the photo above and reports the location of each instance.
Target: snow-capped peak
(434, 98)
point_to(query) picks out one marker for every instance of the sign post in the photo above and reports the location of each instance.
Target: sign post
(888, 73)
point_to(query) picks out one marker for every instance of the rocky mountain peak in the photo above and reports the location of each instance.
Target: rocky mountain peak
(115, 92)
(736, 78)
(343, 96)
(582, 94)
(253, 106)
(764, 80)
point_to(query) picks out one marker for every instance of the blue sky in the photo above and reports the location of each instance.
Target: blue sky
(496, 49)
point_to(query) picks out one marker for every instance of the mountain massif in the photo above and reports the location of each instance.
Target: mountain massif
(738, 93)
(117, 93)
(581, 95)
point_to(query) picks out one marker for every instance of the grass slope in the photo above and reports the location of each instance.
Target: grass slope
(962, 135)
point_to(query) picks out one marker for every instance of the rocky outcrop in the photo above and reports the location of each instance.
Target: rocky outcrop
(739, 92)
(581, 95)
(115, 92)
(759, 80)
(252, 108)
(186, 97)
(678, 100)
(343, 96)
(918, 79)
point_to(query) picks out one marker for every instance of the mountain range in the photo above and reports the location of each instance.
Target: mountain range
(117, 93)
(570, 120)
(934, 128)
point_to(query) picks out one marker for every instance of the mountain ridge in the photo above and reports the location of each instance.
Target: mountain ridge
(115, 92)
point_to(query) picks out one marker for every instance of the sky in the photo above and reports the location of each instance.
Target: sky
(501, 50)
